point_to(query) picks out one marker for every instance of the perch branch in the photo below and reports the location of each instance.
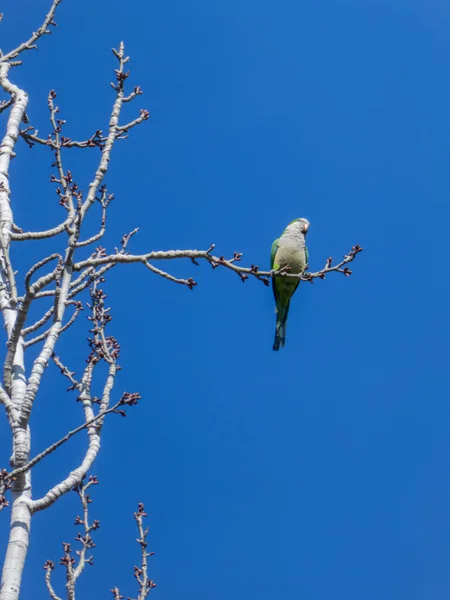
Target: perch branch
(243, 272)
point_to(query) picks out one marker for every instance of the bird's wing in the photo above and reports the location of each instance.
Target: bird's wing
(273, 266)
(273, 252)
(307, 255)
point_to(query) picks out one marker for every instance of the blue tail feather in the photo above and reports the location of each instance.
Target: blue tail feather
(280, 330)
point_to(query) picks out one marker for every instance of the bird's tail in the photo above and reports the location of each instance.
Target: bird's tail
(280, 330)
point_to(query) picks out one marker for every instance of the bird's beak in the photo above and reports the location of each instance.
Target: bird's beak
(305, 227)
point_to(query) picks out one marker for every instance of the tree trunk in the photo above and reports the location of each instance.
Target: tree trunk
(19, 536)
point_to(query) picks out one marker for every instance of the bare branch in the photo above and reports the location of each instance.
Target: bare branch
(33, 138)
(64, 178)
(9, 270)
(41, 235)
(16, 334)
(47, 350)
(62, 295)
(68, 561)
(102, 348)
(243, 272)
(116, 594)
(136, 92)
(49, 567)
(104, 200)
(127, 399)
(140, 573)
(67, 373)
(8, 291)
(92, 276)
(30, 43)
(95, 141)
(114, 130)
(42, 336)
(38, 265)
(76, 476)
(144, 115)
(6, 104)
(42, 321)
(86, 539)
(189, 282)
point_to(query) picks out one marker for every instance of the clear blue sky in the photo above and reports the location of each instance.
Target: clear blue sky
(321, 472)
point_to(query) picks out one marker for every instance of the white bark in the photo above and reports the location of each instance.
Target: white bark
(19, 395)
(18, 540)
(21, 492)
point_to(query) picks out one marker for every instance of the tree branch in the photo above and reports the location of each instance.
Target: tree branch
(30, 43)
(16, 334)
(65, 371)
(140, 573)
(42, 336)
(243, 272)
(6, 104)
(121, 77)
(49, 567)
(124, 401)
(42, 321)
(105, 348)
(68, 560)
(41, 235)
(104, 200)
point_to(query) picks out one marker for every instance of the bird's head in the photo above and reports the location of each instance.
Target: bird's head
(303, 224)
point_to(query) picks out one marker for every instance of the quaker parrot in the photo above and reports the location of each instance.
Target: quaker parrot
(289, 249)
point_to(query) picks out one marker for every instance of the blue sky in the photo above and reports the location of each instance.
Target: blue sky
(321, 472)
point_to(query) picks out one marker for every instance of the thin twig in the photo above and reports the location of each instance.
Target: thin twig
(65, 371)
(49, 567)
(189, 282)
(124, 401)
(140, 573)
(85, 540)
(42, 336)
(30, 43)
(42, 321)
(65, 179)
(6, 104)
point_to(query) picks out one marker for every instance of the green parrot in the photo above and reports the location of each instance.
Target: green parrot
(289, 249)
